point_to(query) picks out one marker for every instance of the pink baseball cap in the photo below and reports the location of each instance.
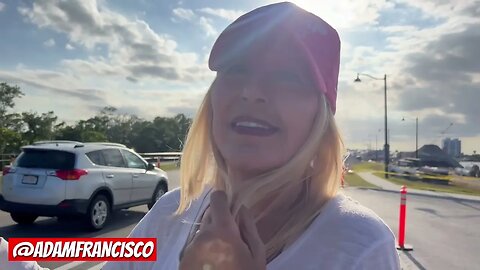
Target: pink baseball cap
(287, 25)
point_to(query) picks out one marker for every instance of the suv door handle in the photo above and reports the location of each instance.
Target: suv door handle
(110, 176)
(135, 176)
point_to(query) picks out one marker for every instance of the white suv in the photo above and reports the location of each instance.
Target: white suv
(64, 178)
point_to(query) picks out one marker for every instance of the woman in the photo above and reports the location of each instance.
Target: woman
(262, 161)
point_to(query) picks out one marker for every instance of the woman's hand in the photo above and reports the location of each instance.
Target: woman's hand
(222, 243)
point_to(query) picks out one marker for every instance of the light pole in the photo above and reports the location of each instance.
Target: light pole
(416, 136)
(386, 147)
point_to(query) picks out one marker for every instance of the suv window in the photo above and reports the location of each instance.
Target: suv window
(97, 157)
(46, 159)
(133, 161)
(113, 158)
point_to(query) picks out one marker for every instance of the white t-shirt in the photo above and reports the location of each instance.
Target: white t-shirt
(346, 235)
(5, 264)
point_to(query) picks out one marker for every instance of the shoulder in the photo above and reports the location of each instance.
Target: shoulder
(160, 216)
(161, 219)
(353, 234)
(168, 203)
(352, 218)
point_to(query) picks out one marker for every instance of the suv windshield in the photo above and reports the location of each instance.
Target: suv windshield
(46, 159)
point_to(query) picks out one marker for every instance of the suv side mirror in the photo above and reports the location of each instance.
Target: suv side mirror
(150, 167)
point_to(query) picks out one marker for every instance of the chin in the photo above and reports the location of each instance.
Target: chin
(251, 166)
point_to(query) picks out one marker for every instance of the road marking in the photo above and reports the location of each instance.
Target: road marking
(97, 267)
(69, 265)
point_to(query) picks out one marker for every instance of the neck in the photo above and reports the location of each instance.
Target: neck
(276, 206)
(275, 216)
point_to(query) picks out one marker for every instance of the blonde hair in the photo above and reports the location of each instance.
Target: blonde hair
(316, 167)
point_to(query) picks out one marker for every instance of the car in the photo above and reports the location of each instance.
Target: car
(470, 168)
(90, 180)
(407, 167)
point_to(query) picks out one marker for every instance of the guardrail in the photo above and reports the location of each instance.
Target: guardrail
(6, 159)
(159, 157)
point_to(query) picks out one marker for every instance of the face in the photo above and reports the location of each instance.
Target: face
(263, 109)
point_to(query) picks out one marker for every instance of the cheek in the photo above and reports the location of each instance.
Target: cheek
(298, 118)
(221, 103)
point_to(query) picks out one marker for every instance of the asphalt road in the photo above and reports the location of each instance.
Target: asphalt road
(120, 225)
(444, 232)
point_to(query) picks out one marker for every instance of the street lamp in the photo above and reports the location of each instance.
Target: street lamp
(416, 135)
(386, 146)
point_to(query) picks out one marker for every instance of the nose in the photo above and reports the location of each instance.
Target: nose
(253, 92)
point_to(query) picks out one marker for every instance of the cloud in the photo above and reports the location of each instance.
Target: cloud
(365, 13)
(45, 80)
(134, 50)
(69, 47)
(184, 14)
(189, 111)
(168, 73)
(444, 79)
(2, 6)
(430, 59)
(433, 69)
(49, 43)
(227, 14)
(189, 15)
(144, 101)
(207, 26)
(131, 79)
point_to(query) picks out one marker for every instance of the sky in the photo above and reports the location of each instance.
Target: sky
(149, 58)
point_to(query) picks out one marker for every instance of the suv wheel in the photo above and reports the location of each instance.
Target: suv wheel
(98, 213)
(159, 192)
(22, 218)
(475, 172)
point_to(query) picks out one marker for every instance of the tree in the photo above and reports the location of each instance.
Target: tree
(17, 129)
(146, 138)
(69, 133)
(8, 94)
(10, 124)
(10, 141)
(121, 127)
(184, 124)
(38, 127)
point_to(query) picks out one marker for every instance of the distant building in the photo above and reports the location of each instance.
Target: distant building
(453, 147)
(431, 154)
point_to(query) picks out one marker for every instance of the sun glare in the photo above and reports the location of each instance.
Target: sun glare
(339, 14)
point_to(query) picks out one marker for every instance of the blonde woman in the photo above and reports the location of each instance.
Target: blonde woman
(262, 162)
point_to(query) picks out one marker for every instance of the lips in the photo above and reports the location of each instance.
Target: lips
(247, 125)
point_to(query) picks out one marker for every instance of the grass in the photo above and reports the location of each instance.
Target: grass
(418, 184)
(354, 180)
(452, 187)
(168, 166)
(368, 166)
